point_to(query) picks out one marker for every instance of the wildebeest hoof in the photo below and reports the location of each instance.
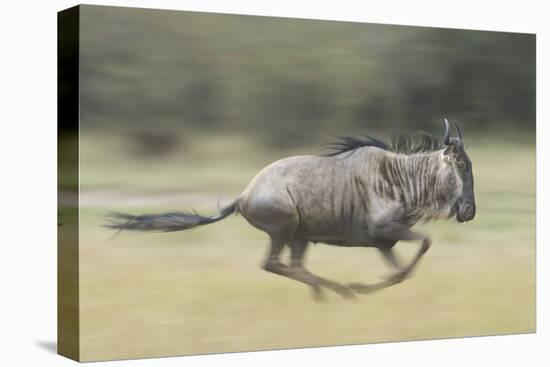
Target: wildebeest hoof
(361, 288)
(398, 277)
(344, 291)
(317, 294)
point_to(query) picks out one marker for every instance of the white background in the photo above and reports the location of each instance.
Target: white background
(28, 183)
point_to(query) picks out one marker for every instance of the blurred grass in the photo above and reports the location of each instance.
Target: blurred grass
(227, 162)
(146, 295)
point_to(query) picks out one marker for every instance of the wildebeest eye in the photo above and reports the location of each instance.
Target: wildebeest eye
(460, 163)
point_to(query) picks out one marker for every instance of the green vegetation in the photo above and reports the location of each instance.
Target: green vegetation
(286, 81)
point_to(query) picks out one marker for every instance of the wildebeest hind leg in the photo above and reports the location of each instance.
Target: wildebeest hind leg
(296, 271)
(300, 273)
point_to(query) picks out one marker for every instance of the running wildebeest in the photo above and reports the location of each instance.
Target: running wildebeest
(363, 192)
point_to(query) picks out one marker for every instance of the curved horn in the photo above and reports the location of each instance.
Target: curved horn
(447, 136)
(458, 131)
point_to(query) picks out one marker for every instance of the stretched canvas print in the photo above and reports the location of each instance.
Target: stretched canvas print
(238, 183)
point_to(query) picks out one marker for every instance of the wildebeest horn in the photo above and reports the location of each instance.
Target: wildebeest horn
(447, 136)
(458, 131)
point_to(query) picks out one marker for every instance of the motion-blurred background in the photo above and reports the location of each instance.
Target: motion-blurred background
(181, 110)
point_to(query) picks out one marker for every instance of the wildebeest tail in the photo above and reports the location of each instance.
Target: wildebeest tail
(165, 222)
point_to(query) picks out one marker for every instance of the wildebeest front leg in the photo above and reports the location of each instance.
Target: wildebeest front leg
(389, 256)
(406, 235)
(391, 235)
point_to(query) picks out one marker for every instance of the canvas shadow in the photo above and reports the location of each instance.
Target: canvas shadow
(48, 345)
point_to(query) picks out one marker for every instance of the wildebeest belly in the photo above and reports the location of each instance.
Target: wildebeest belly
(336, 222)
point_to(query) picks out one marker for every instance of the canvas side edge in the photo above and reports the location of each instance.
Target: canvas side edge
(68, 313)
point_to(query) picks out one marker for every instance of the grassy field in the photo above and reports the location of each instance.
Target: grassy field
(146, 295)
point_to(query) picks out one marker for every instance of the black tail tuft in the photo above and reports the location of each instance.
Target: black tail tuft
(165, 222)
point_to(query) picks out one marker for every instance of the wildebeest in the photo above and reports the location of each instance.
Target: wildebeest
(363, 192)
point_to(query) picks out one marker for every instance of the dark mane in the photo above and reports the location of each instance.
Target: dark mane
(402, 144)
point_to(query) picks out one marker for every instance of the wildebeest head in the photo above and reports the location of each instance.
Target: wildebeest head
(466, 204)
